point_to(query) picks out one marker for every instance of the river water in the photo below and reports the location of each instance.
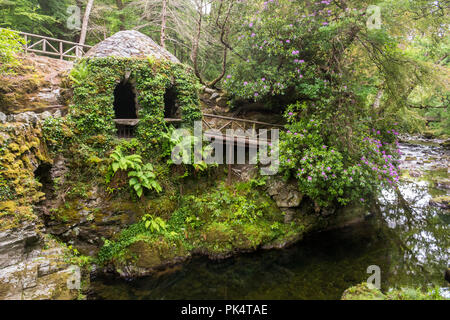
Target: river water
(409, 240)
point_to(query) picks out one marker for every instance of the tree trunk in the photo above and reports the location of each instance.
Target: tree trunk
(195, 44)
(120, 7)
(84, 26)
(213, 83)
(163, 23)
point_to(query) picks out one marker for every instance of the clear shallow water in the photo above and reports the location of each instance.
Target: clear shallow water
(407, 239)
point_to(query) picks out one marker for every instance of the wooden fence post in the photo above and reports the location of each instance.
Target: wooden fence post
(26, 44)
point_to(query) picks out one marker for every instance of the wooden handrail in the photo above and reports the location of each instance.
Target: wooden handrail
(243, 120)
(50, 38)
(136, 121)
(125, 125)
(50, 49)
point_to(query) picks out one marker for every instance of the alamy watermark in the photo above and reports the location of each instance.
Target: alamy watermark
(375, 278)
(374, 20)
(262, 149)
(74, 279)
(74, 19)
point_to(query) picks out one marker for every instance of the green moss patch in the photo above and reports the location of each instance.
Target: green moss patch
(21, 151)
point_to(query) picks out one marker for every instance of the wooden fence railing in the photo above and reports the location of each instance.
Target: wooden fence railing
(61, 49)
(222, 123)
(214, 122)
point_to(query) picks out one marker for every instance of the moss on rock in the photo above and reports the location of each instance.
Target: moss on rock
(217, 221)
(365, 291)
(21, 153)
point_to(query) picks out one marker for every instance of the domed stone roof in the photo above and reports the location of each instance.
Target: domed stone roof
(128, 44)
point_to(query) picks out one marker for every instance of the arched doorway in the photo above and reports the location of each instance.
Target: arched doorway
(170, 101)
(125, 101)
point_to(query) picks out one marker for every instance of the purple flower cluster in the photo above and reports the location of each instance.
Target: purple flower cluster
(387, 171)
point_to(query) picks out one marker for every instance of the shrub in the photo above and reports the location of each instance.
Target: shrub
(10, 44)
(328, 172)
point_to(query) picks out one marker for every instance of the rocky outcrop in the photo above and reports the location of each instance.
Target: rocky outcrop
(31, 267)
(214, 101)
(442, 202)
(90, 223)
(443, 184)
(446, 144)
(285, 194)
(363, 291)
(23, 151)
(29, 117)
(27, 271)
(14, 244)
(38, 85)
(84, 221)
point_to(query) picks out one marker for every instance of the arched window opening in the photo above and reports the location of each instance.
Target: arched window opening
(170, 107)
(125, 101)
(125, 109)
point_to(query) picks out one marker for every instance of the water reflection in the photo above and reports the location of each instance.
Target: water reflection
(320, 267)
(421, 231)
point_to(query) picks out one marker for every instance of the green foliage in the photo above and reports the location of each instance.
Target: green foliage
(10, 44)
(226, 205)
(184, 142)
(117, 250)
(141, 176)
(328, 172)
(6, 192)
(220, 220)
(342, 82)
(124, 162)
(415, 294)
(57, 134)
(36, 16)
(154, 224)
(365, 291)
(144, 177)
(80, 73)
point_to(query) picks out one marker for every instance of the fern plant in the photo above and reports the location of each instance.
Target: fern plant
(179, 142)
(141, 176)
(144, 178)
(125, 162)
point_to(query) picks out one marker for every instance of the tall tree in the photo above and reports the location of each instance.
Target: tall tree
(218, 15)
(163, 23)
(84, 26)
(171, 21)
(200, 5)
